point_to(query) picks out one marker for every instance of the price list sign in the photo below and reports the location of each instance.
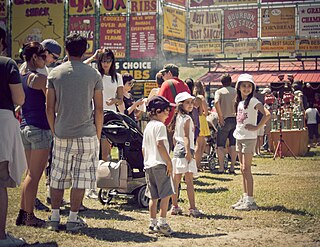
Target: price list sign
(143, 36)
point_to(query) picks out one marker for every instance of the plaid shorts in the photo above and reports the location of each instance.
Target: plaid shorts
(74, 163)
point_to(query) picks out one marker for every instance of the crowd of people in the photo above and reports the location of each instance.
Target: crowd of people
(66, 131)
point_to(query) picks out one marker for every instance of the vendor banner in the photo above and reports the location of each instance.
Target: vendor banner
(274, 1)
(309, 45)
(277, 22)
(309, 20)
(140, 6)
(205, 3)
(82, 7)
(174, 22)
(140, 70)
(277, 45)
(174, 46)
(148, 86)
(243, 46)
(113, 6)
(143, 36)
(3, 8)
(32, 21)
(205, 25)
(178, 2)
(208, 48)
(240, 23)
(113, 34)
(84, 25)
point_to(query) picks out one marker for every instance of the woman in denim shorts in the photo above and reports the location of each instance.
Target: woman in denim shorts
(34, 129)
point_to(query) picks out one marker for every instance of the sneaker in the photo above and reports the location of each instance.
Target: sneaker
(151, 229)
(53, 225)
(21, 218)
(91, 194)
(238, 203)
(38, 205)
(247, 206)
(76, 225)
(176, 210)
(194, 212)
(164, 229)
(32, 220)
(11, 241)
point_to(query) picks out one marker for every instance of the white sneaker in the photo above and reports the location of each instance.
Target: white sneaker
(238, 203)
(164, 229)
(91, 194)
(247, 206)
(176, 210)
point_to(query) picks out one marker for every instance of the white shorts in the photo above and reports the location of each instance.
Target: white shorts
(182, 166)
(261, 131)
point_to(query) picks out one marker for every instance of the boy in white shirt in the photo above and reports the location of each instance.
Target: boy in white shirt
(157, 163)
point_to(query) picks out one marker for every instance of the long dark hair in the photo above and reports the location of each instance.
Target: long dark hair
(112, 71)
(179, 109)
(239, 97)
(31, 48)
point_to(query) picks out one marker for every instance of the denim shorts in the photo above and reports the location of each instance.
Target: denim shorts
(226, 132)
(35, 138)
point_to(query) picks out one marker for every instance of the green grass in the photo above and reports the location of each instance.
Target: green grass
(286, 190)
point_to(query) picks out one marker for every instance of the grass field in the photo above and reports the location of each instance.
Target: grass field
(287, 192)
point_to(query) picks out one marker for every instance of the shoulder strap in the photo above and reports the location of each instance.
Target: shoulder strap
(172, 88)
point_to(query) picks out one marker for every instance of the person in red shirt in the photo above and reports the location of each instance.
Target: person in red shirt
(170, 73)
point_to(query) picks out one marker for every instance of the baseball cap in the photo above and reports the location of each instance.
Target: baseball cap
(266, 90)
(170, 67)
(52, 46)
(246, 77)
(182, 97)
(158, 102)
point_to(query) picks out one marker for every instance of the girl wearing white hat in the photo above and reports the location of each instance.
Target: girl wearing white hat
(247, 108)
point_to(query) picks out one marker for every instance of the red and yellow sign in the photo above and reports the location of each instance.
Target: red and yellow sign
(81, 7)
(36, 22)
(198, 49)
(205, 25)
(277, 22)
(278, 45)
(174, 22)
(148, 86)
(113, 6)
(139, 6)
(113, 34)
(309, 45)
(243, 46)
(174, 46)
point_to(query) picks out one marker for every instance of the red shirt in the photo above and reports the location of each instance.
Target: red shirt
(165, 91)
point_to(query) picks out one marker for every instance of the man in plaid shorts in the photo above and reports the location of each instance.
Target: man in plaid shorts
(72, 87)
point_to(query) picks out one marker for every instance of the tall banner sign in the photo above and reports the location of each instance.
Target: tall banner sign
(3, 8)
(113, 34)
(32, 21)
(278, 45)
(85, 27)
(174, 46)
(240, 23)
(206, 3)
(113, 6)
(205, 25)
(309, 20)
(277, 22)
(143, 36)
(140, 6)
(82, 7)
(178, 2)
(174, 22)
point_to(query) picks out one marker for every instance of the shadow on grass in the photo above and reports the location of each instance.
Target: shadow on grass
(264, 174)
(219, 217)
(48, 244)
(186, 235)
(201, 183)
(212, 190)
(115, 235)
(101, 214)
(216, 178)
(279, 208)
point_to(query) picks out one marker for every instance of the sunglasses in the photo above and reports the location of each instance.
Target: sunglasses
(107, 60)
(164, 72)
(54, 56)
(43, 56)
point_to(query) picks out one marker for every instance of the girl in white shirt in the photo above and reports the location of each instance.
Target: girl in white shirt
(247, 108)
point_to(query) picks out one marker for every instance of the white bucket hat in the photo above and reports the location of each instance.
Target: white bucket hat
(182, 97)
(246, 77)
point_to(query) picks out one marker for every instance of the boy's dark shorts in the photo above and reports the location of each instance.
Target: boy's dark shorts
(226, 132)
(159, 184)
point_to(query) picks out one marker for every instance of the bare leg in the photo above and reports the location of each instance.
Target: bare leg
(176, 181)
(56, 198)
(153, 208)
(190, 189)
(221, 154)
(164, 206)
(233, 154)
(76, 198)
(105, 149)
(200, 145)
(241, 160)
(247, 175)
(3, 204)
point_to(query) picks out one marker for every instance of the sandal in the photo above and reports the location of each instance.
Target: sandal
(32, 220)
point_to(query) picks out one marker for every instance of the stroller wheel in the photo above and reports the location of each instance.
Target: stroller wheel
(213, 162)
(141, 198)
(104, 196)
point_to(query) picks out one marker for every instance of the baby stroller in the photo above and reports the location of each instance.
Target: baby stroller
(124, 134)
